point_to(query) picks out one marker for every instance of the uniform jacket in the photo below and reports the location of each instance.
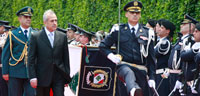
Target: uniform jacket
(18, 71)
(42, 58)
(129, 47)
(162, 52)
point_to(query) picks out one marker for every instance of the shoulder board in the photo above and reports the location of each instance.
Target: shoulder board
(145, 27)
(13, 28)
(16, 30)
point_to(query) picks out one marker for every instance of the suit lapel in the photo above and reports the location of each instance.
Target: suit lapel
(29, 34)
(45, 38)
(56, 39)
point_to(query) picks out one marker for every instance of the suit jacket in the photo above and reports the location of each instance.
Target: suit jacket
(42, 58)
(18, 71)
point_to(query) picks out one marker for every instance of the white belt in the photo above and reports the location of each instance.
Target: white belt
(160, 71)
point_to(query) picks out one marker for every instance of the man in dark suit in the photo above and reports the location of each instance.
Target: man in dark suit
(48, 58)
(136, 48)
(14, 56)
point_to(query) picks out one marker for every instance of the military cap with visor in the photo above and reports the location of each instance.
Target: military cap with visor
(26, 11)
(61, 29)
(189, 19)
(198, 26)
(86, 34)
(133, 6)
(72, 27)
(4, 23)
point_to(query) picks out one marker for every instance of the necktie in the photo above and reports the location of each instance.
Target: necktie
(133, 31)
(25, 34)
(51, 38)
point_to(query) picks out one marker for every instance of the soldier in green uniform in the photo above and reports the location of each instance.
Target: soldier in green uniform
(14, 56)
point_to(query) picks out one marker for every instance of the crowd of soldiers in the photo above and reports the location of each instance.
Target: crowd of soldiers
(177, 70)
(78, 36)
(177, 65)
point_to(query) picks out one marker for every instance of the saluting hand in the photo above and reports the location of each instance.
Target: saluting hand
(6, 77)
(33, 82)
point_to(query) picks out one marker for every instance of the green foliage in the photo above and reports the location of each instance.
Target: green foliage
(94, 15)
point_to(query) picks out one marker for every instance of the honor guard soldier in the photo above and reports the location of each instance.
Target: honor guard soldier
(175, 64)
(162, 52)
(77, 35)
(85, 37)
(196, 87)
(188, 56)
(15, 55)
(3, 83)
(151, 24)
(71, 32)
(136, 52)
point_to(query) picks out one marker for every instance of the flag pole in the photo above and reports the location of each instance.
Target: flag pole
(118, 40)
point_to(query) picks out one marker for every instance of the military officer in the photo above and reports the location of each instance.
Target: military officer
(174, 63)
(85, 37)
(71, 32)
(162, 52)
(14, 56)
(136, 53)
(3, 83)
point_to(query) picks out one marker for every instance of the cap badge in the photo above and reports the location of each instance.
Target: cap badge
(140, 30)
(29, 10)
(125, 28)
(135, 3)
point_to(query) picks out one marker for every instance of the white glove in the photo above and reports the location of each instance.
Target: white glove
(115, 28)
(152, 83)
(178, 85)
(193, 90)
(115, 59)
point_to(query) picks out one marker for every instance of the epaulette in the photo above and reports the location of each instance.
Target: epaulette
(145, 27)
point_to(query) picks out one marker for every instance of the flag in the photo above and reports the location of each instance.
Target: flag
(97, 77)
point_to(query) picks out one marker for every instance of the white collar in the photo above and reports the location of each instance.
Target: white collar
(47, 31)
(24, 29)
(162, 38)
(136, 27)
(183, 37)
